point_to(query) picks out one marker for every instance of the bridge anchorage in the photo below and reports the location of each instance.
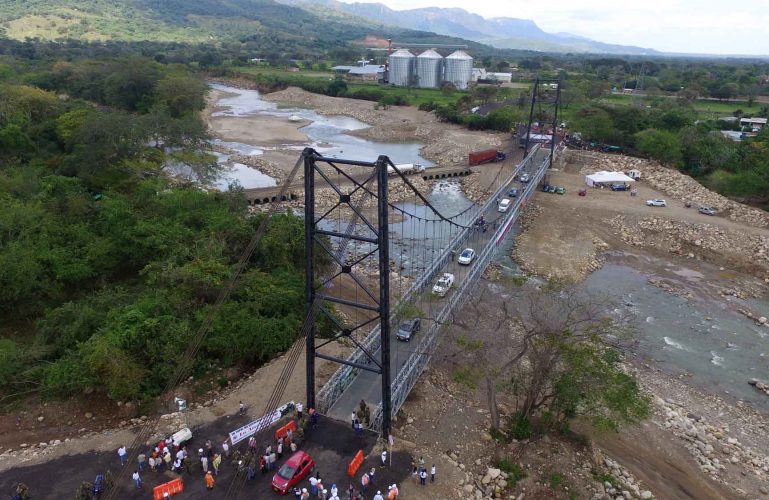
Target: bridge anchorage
(380, 259)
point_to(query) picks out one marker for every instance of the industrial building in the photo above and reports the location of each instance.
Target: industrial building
(429, 69)
(369, 72)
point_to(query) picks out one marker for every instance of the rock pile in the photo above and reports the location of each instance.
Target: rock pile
(262, 165)
(492, 484)
(670, 182)
(760, 386)
(624, 484)
(711, 445)
(684, 238)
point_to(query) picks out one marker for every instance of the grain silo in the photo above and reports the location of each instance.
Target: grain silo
(459, 69)
(429, 69)
(401, 68)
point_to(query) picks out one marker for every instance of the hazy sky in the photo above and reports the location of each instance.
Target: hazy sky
(697, 26)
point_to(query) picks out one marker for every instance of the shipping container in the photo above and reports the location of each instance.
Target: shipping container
(487, 156)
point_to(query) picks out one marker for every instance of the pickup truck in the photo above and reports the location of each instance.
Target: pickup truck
(443, 285)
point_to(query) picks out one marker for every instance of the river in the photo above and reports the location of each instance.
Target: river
(326, 134)
(705, 338)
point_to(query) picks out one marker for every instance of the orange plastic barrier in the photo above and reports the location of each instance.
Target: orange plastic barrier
(283, 431)
(171, 487)
(355, 464)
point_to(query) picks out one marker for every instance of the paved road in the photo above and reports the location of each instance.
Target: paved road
(332, 446)
(367, 385)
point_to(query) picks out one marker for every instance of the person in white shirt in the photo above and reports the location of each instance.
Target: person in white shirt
(299, 409)
(123, 454)
(378, 496)
(384, 457)
(137, 479)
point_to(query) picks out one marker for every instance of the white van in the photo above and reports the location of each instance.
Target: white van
(504, 205)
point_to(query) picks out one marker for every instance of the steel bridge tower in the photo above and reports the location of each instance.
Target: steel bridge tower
(351, 181)
(545, 103)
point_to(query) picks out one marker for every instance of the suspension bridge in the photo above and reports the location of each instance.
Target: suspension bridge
(370, 265)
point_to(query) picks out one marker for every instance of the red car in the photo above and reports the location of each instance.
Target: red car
(294, 470)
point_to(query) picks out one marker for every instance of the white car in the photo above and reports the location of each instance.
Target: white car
(466, 257)
(443, 285)
(525, 178)
(182, 437)
(657, 202)
(504, 205)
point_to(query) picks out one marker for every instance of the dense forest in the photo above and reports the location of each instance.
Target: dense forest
(108, 264)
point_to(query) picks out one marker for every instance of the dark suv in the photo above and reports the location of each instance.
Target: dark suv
(408, 329)
(620, 187)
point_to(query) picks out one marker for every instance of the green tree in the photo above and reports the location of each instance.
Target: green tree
(593, 123)
(661, 145)
(181, 95)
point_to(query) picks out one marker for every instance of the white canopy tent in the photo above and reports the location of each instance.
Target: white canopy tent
(607, 178)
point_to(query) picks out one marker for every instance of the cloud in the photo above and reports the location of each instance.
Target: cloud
(692, 26)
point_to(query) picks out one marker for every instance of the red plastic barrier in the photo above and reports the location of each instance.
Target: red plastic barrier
(283, 431)
(171, 487)
(355, 464)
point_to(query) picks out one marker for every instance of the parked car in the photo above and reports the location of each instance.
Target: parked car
(525, 178)
(552, 189)
(657, 202)
(513, 193)
(707, 210)
(619, 187)
(560, 190)
(504, 205)
(443, 285)
(293, 471)
(545, 188)
(408, 329)
(467, 256)
(182, 437)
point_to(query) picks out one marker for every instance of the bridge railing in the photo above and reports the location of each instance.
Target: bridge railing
(330, 393)
(407, 377)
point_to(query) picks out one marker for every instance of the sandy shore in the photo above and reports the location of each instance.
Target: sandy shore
(256, 130)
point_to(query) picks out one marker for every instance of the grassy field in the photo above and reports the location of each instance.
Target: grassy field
(706, 109)
(268, 70)
(414, 96)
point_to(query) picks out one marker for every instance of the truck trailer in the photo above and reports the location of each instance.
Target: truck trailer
(487, 156)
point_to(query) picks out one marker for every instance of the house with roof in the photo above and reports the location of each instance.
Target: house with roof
(753, 124)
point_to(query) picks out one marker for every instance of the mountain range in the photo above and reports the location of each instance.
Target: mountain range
(500, 32)
(313, 25)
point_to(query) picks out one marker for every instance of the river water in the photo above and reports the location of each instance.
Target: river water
(717, 347)
(326, 134)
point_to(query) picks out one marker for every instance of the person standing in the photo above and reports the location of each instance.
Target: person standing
(152, 463)
(371, 476)
(141, 460)
(313, 486)
(210, 481)
(432, 474)
(378, 496)
(305, 494)
(280, 449)
(123, 454)
(354, 418)
(167, 459)
(350, 492)
(384, 458)
(273, 460)
(299, 408)
(217, 463)
(241, 408)
(334, 490)
(226, 449)
(137, 479)
(364, 479)
(423, 477)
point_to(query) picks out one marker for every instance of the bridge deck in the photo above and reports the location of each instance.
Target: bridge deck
(367, 385)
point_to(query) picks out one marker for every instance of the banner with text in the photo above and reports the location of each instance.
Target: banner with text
(260, 423)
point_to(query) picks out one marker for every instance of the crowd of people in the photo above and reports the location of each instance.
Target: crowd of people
(168, 455)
